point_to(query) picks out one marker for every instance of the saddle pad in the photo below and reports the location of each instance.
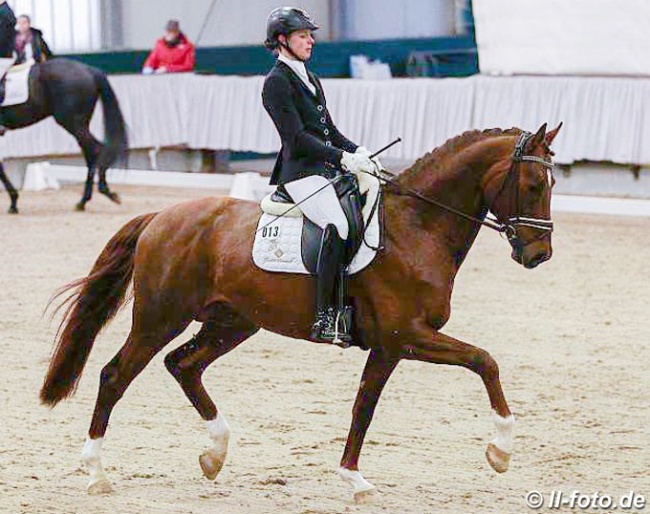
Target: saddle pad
(17, 85)
(277, 245)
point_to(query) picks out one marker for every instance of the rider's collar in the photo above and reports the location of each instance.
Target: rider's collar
(299, 68)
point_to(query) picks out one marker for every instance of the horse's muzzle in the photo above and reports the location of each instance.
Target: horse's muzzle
(532, 255)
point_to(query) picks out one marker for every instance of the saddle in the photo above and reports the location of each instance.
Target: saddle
(351, 200)
(14, 81)
(286, 241)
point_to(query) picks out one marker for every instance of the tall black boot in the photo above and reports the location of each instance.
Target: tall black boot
(327, 271)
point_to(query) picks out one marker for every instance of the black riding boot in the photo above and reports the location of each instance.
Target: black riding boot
(327, 270)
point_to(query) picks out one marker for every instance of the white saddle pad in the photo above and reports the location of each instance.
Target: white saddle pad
(17, 84)
(277, 245)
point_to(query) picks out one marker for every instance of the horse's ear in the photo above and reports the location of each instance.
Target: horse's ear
(549, 137)
(538, 137)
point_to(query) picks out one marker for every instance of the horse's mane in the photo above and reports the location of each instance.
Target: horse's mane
(436, 158)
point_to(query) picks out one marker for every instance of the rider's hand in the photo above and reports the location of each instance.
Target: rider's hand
(147, 70)
(362, 150)
(356, 162)
(162, 69)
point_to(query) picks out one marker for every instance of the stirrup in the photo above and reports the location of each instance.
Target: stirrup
(332, 327)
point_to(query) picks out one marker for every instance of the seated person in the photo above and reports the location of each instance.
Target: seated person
(29, 42)
(173, 52)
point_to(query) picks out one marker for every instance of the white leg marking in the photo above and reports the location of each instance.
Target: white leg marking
(219, 432)
(91, 457)
(356, 480)
(504, 437)
(212, 460)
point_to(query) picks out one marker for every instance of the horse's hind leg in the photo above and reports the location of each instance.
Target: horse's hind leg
(13, 194)
(78, 126)
(138, 350)
(442, 349)
(103, 188)
(219, 335)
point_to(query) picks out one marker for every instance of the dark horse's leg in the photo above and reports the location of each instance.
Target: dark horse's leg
(439, 348)
(379, 367)
(13, 194)
(78, 126)
(217, 337)
(103, 188)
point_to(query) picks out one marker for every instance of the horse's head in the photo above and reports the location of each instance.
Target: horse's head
(521, 196)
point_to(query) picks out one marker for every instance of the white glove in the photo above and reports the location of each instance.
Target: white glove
(362, 150)
(355, 163)
(160, 70)
(147, 70)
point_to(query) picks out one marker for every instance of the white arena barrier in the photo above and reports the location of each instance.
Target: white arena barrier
(247, 185)
(253, 186)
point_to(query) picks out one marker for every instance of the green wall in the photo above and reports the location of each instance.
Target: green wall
(330, 59)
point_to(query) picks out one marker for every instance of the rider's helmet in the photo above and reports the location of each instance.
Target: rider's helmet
(284, 21)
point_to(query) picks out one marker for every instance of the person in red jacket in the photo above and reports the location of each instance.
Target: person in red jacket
(173, 52)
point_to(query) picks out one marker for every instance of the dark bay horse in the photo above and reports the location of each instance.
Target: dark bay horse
(68, 90)
(193, 261)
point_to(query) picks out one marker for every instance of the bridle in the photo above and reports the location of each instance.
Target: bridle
(508, 227)
(544, 226)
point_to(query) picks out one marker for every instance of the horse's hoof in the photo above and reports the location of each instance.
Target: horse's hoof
(498, 459)
(211, 464)
(12, 210)
(80, 207)
(366, 497)
(101, 486)
(115, 198)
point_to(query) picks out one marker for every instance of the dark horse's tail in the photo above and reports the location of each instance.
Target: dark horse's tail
(116, 142)
(94, 300)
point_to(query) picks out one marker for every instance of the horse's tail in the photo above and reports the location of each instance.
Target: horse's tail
(116, 142)
(94, 300)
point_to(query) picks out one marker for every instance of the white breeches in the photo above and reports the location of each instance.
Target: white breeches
(323, 208)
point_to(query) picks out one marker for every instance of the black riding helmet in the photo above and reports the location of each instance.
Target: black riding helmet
(284, 21)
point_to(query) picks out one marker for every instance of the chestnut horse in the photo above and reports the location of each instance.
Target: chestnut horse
(193, 261)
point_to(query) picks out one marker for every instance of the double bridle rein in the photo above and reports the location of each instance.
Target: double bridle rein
(509, 227)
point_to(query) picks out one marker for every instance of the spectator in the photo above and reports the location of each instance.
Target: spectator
(173, 52)
(30, 43)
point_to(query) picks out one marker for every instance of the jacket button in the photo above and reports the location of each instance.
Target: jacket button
(326, 132)
(322, 120)
(320, 107)
(328, 143)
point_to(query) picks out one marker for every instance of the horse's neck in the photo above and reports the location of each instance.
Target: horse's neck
(454, 181)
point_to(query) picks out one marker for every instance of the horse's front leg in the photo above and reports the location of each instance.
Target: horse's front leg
(88, 189)
(439, 348)
(379, 368)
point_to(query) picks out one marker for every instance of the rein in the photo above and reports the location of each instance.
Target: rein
(509, 227)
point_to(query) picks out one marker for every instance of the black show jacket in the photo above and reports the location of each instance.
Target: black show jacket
(311, 144)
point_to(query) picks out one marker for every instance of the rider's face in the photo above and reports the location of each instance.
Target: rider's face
(301, 43)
